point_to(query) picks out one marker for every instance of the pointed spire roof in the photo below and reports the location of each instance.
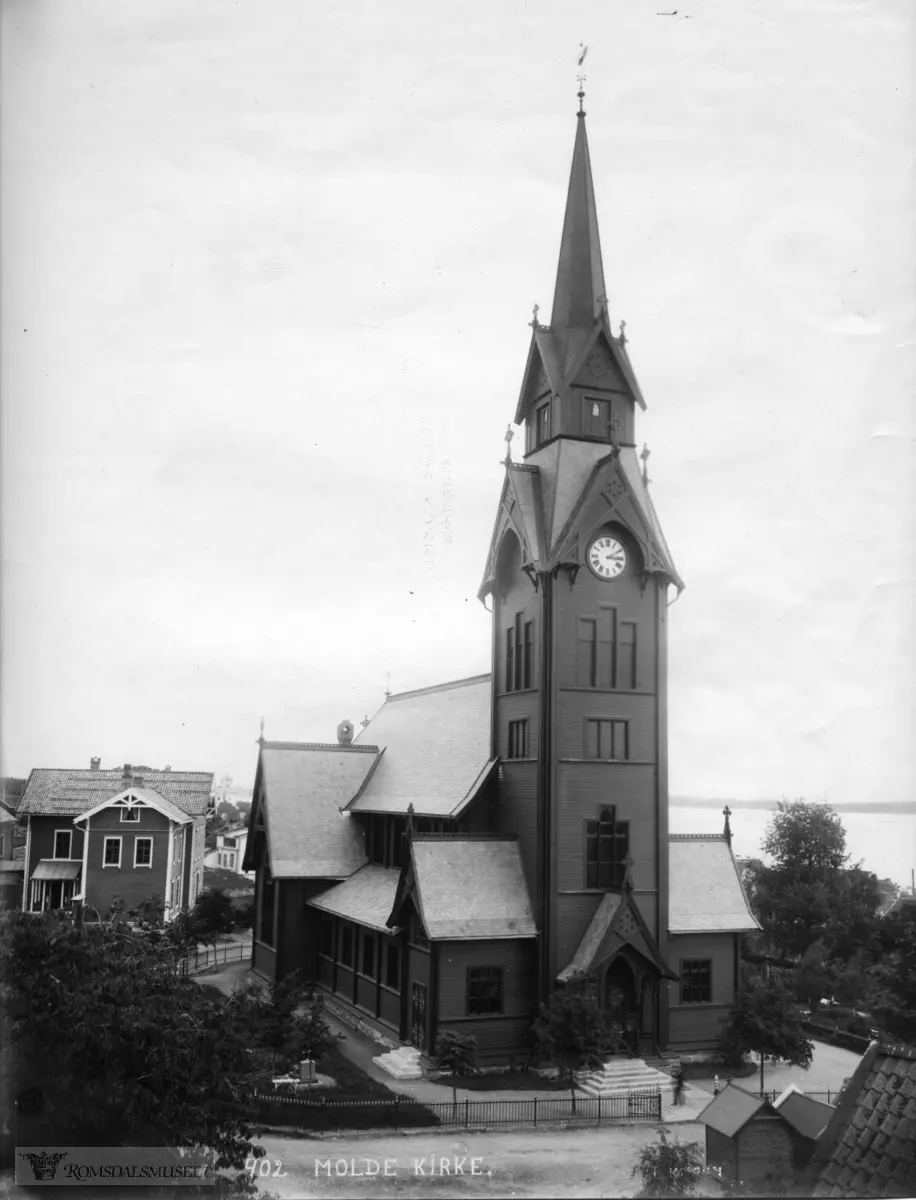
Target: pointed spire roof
(579, 295)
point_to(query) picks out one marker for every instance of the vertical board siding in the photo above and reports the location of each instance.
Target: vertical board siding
(518, 706)
(517, 812)
(517, 961)
(700, 1024)
(131, 884)
(638, 711)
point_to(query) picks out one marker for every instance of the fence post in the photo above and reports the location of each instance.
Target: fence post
(535, 1110)
(599, 1108)
(467, 1112)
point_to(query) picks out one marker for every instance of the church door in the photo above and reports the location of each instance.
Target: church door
(418, 1017)
(620, 999)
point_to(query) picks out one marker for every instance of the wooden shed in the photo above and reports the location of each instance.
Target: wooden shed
(747, 1137)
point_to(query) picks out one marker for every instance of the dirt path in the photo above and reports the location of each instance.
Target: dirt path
(566, 1163)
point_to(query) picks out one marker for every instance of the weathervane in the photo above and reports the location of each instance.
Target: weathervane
(727, 812)
(507, 438)
(534, 316)
(581, 93)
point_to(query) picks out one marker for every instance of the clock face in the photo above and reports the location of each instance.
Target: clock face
(606, 557)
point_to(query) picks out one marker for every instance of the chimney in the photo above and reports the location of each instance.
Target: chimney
(345, 733)
(95, 764)
(126, 772)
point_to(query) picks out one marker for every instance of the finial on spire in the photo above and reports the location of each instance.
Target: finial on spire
(628, 872)
(261, 734)
(644, 455)
(727, 812)
(410, 812)
(507, 438)
(365, 721)
(534, 316)
(581, 93)
(622, 336)
(615, 426)
(387, 685)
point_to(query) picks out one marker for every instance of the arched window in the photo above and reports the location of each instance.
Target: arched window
(607, 843)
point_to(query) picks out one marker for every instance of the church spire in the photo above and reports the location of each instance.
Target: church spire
(579, 296)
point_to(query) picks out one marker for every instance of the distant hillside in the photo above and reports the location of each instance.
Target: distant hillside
(898, 808)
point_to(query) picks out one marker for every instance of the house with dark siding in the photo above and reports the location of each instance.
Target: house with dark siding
(95, 836)
(482, 840)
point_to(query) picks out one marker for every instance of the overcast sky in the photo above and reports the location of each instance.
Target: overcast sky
(264, 260)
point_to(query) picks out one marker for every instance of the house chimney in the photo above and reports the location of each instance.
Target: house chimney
(126, 771)
(95, 764)
(345, 733)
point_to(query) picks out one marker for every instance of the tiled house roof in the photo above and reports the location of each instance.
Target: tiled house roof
(51, 792)
(869, 1146)
(705, 895)
(366, 897)
(436, 750)
(304, 787)
(471, 887)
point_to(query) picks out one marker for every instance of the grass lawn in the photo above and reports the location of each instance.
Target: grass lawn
(510, 1081)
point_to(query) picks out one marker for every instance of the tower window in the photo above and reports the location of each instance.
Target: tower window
(606, 738)
(510, 659)
(606, 651)
(484, 991)
(527, 653)
(518, 739)
(607, 843)
(586, 656)
(597, 418)
(519, 654)
(697, 976)
(626, 655)
(542, 424)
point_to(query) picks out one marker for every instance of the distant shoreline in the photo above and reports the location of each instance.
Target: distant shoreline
(893, 807)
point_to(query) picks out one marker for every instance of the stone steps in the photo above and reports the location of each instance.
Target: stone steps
(619, 1076)
(401, 1063)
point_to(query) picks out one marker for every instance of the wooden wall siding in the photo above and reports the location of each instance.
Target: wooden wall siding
(417, 967)
(721, 1151)
(583, 789)
(499, 1039)
(264, 960)
(346, 983)
(638, 711)
(719, 949)
(585, 600)
(42, 840)
(518, 706)
(390, 1009)
(574, 912)
(765, 1147)
(517, 961)
(326, 973)
(131, 884)
(365, 993)
(517, 812)
(695, 1026)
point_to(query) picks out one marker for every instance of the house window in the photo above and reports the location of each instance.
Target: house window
(597, 418)
(393, 966)
(327, 937)
(111, 855)
(268, 898)
(484, 991)
(608, 739)
(130, 812)
(542, 424)
(369, 954)
(607, 843)
(586, 653)
(346, 946)
(518, 739)
(63, 840)
(697, 977)
(143, 852)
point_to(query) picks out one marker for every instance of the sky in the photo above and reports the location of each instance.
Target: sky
(268, 269)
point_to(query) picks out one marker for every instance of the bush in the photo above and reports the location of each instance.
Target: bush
(669, 1168)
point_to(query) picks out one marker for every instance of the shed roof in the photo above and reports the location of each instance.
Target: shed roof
(436, 750)
(366, 897)
(48, 868)
(471, 887)
(53, 792)
(869, 1145)
(304, 787)
(731, 1110)
(806, 1115)
(705, 895)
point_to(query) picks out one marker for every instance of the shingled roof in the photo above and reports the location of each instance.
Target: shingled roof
(869, 1146)
(59, 793)
(300, 790)
(365, 897)
(471, 887)
(436, 750)
(705, 894)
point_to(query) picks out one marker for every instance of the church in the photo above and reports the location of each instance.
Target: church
(482, 841)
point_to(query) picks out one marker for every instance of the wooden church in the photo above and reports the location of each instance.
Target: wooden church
(483, 840)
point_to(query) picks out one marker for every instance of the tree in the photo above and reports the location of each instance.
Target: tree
(280, 1025)
(764, 1020)
(122, 1048)
(813, 977)
(574, 1031)
(456, 1053)
(808, 838)
(894, 974)
(212, 915)
(669, 1168)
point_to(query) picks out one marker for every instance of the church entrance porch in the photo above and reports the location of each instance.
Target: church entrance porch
(629, 993)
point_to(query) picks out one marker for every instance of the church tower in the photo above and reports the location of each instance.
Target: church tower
(579, 576)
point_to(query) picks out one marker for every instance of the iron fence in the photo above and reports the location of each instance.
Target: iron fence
(212, 957)
(404, 1112)
(828, 1097)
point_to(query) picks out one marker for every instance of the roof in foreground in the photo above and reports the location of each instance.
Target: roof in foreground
(53, 792)
(472, 887)
(869, 1146)
(306, 786)
(435, 750)
(706, 895)
(731, 1110)
(366, 897)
